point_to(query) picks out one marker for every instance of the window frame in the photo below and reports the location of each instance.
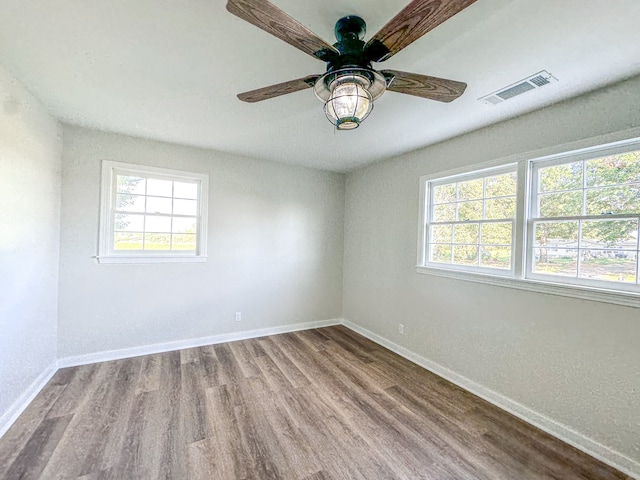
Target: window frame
(108, 191)
(521, 278)
(533, 216)
(429, 186)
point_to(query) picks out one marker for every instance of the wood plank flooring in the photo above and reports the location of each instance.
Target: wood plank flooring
(315, 405)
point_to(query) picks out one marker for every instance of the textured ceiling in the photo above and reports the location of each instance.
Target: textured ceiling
(170, 70)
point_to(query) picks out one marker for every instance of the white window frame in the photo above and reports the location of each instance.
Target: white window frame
(521, 276)
(534, 167)
(106, 253)
(429, 185)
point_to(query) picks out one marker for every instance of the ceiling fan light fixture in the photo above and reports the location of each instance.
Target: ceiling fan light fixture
(349, 104)
(348, 95)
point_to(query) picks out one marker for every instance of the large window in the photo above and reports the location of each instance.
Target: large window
(471, 220)
(584, 220)
(151, 214)
(563, 221)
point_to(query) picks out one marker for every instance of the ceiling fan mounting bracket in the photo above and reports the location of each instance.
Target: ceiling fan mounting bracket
(389, 77)
(376, 51)
(326, 55)
(349, 50)
(311, 80)
(350, 27)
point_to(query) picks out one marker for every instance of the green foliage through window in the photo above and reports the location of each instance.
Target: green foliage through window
(472, 221)
(600, 248)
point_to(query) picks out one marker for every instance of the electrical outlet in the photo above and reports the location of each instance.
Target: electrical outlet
(401, 329)
(238, 316)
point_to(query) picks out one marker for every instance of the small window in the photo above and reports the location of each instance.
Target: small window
(152, 214)
(583, 225)
(470, 221)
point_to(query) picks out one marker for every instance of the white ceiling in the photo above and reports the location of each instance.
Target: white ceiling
(170, 70)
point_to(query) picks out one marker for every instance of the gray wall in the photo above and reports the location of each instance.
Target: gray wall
(572, 361)
(275, 246)
(30, 163)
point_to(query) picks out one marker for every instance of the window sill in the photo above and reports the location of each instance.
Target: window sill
(151, 259)
(627, 299)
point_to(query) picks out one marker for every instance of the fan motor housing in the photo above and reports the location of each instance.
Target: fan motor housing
(349, 31)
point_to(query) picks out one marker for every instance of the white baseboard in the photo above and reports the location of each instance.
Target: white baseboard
(23, 401)
(558, 430)
(108, 355)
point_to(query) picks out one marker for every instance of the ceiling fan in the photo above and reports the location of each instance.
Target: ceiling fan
(350, 84)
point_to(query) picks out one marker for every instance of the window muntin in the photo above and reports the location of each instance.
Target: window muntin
(583, 214)
(151, 213)
(583, 225)
(471, 221)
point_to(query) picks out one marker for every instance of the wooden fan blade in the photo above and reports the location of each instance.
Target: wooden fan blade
(279, 89)
(433, 88)
(416, 19)
(271, 19)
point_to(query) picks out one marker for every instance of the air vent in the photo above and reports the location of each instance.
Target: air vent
(537, 80)
(518, 89)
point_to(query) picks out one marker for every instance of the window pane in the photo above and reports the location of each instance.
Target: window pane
(184, 225)
(614, 170)
(560, 177)
(183, 242)
(470, 210)
(127, 241)
(157, 224)
(556, 236)
(495, 257)
(470, 190)
(444, 213)
(561, 204)
(500, 208)
(185, 190)
(496, 233)
(440, 234)
(468, 203)
(467, 233)
(610, 234)
(130, 203)
(129, 223)
(157, 241)
(441, 253)
(562, 262)
(501, 185)
(465, 254)
(618, 199)
(159, 205)
(185, 207)
(129, 184)
(159, 188)
(609, 266)
(444, 193)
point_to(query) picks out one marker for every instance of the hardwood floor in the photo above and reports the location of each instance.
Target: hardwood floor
(315, 405)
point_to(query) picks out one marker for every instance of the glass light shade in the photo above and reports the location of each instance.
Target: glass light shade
(349, 104)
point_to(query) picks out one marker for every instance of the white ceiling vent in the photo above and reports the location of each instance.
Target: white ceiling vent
(536, 80)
